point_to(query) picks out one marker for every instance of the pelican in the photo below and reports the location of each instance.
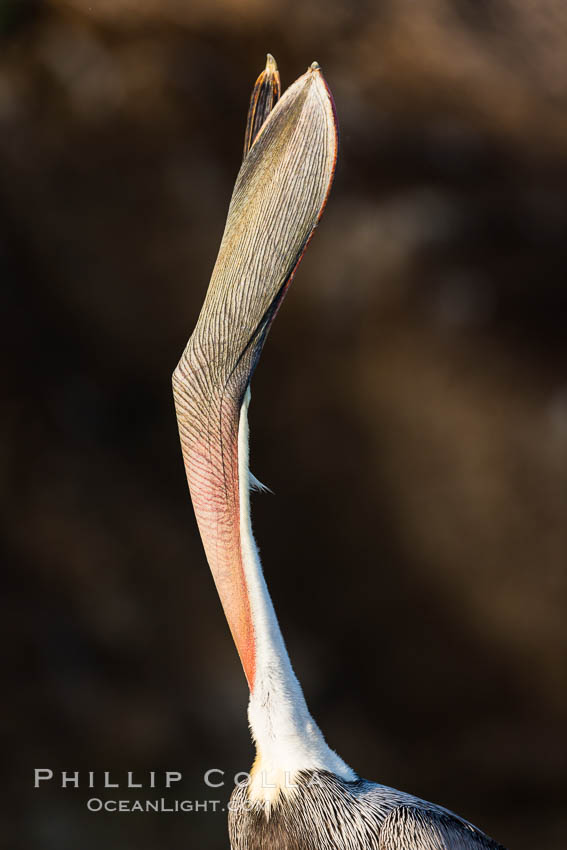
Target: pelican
(301, 795)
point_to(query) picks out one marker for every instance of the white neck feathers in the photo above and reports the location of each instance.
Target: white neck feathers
(286, 736)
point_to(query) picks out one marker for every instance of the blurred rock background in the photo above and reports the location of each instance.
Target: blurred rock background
(410, 411)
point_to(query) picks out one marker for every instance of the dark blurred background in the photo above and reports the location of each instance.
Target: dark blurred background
(410, 410)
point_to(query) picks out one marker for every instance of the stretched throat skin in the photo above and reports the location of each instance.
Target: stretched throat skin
(287, 738)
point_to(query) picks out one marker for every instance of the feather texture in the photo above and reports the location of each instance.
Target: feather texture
(327, 813)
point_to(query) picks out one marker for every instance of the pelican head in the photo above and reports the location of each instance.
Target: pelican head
(278, 198)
